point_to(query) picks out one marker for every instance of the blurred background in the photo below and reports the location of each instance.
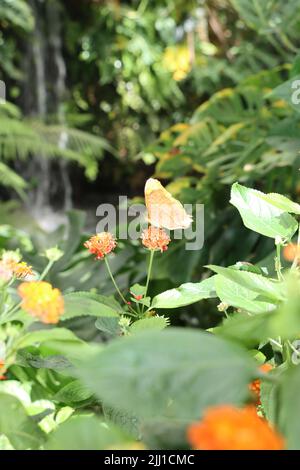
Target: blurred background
(100, 95)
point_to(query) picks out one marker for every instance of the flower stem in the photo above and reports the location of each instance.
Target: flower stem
(278, 266)
(297, 255)
(115, 284)
(148, 275)
(46, 270)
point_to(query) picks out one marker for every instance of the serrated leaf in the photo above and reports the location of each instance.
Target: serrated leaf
(87, 433)
(290, 407)
(52, 334)
(21, 431)
(238, 296)
(261, 214)
(172, 373)
(185, 294)
(109, 325)
(245, 329)
(72, 392)
(255, 282)
(138, 289)
(152, 323)
(84, 303)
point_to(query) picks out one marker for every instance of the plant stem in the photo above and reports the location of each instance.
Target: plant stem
(115, 284)
(276, 343)
(46, 270)
(149, 274)
(297, 254)
(278, 266)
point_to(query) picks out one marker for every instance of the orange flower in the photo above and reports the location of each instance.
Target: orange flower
(2, 369)
(101, 244)
(22, 270)
(10, 266)
(41, 300)
(225, 427)
(290, 251)
(255, 385)
(155, 239)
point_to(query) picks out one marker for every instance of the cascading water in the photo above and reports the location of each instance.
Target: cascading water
(43, 95)
(55, 43)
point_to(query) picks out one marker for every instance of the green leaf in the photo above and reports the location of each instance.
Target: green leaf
(137, 289)
(72, 392)
(57, 341)
(290, 407)
(245, 329)
(174, 373)
(238, 296)
(54, 362)
(256, 282)
(45, 335)
(152, 323)
(185, 294)
(21, 431)
(260, 212)
(270, 391)
(109, 325)
(282, 202)
(286, 322)
(83, 303)
(87, 433)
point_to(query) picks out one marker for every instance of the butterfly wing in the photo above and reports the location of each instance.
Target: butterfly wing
(163, 209)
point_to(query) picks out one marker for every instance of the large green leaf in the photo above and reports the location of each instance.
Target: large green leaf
(270, 393)
(260, 212)
(73, 392)
(256, 282)
(57, 341)
(283, 322)
(238, 296)
(87, 433)
(185, 294)
(245, 329)
(174, 373)
(151, 323)
(45, 335)
(20, 429)
(84, 303)
(290, 407)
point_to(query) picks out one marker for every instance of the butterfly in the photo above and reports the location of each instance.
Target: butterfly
(163, 210)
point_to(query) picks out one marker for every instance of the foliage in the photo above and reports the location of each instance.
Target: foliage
(149, 374)
(205, 91)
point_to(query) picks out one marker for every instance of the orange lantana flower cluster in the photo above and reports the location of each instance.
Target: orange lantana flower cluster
(155, 239)
(10, 266)
(101, 244)
(41, 300)
(225, 427)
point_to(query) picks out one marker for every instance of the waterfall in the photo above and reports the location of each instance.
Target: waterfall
(43, 94)
(55, 43)
(42, 196)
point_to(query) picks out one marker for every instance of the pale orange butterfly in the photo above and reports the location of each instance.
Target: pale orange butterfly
(163, 210)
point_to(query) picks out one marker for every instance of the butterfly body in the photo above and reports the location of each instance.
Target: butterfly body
(163, 210)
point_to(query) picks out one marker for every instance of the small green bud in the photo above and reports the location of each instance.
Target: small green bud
(53, 254)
